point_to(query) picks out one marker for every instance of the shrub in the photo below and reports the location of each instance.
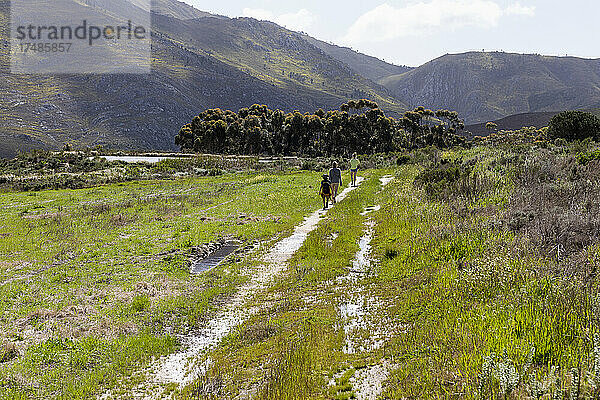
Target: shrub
(555, 203)
(586, 158)
(439, 181)
(390, 254)
(560, 142)
(574, 125)
(8, 352)
(447, 173)
(457, 182)
(402, 160)
(258, 332)
(309, 165)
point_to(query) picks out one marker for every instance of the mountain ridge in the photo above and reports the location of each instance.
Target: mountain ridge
(368, 66)
(488, 86)
(189, 74)
(202, 60)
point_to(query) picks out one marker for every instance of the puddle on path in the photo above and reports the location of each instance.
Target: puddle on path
(361, 264)
(371, 209)
(362, 333)
(353, 314)
(216, 258)
(180, 368)
(386, 179)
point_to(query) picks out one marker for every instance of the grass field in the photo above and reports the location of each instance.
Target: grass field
(460, 301)
(91, 279)
(472, 274)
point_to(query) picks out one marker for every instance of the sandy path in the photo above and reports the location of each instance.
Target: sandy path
(180, 368)
(367, 383)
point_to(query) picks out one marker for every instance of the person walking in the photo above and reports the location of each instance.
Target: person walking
(354, 169)
(325, 191)
(335, 178)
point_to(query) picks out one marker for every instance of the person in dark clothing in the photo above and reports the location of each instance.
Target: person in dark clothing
(335, 177)
(325, 191)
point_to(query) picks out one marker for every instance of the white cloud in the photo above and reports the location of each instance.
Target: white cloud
(518, 9)
(388, 22)
(302, 20)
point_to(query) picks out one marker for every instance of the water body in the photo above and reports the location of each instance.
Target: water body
(151, 159)
(139, 159)
(215, 258)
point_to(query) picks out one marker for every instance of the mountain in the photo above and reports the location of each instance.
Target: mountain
(199, 61)
(178, 9)
(277, 56)
(367, 66)
(513, 122)
(487, 86)
(517, 121)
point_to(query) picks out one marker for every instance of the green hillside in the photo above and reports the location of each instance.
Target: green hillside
(202, 63)
(517, 121)
(487, 86)
(177, 9)
(277, 56)
(367, 66)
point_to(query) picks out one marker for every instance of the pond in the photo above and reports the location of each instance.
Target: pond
(138, 159)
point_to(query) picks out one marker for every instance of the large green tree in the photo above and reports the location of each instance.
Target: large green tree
(574, 125)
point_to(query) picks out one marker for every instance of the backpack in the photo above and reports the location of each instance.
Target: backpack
(325, 187)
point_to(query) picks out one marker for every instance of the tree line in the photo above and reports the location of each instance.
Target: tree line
(358, 126)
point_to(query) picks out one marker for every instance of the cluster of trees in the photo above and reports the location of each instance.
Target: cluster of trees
(422, 127)
(564, 127)
(525, 135)
(574, 125)
(358, 126)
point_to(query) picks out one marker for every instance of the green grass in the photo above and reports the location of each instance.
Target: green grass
(467, 310)
(466, 295)
(294, 360)
(464, 306)
(99, 274)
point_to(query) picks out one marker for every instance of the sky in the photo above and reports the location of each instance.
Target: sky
(413, 32)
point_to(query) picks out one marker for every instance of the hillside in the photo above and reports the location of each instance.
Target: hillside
(367, 66)
(517, 121)
(199, 63)
(128, 111)
(177, 9)
(513, 122)
(277, 56)
(487, 86)
(204, 61)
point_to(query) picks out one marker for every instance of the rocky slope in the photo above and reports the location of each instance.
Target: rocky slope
(487, 86)
(367, 66)
(199, 61)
